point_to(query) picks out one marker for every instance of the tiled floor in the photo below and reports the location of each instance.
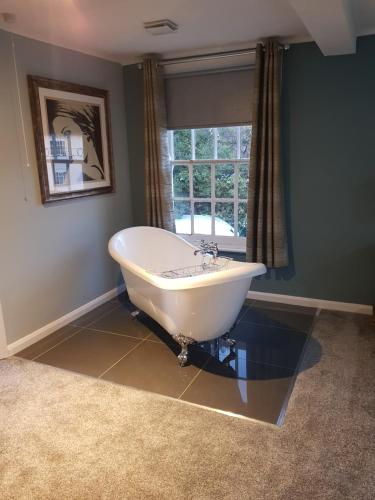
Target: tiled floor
(254, 379)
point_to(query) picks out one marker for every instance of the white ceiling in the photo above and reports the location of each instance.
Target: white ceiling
(113, 29)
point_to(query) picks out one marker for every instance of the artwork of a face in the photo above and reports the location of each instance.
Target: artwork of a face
(77, 158)
(75, 135)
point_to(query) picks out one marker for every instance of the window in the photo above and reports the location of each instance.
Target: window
(210, 177)
(57, 148)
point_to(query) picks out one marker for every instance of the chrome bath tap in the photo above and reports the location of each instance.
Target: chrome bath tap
(210, 248)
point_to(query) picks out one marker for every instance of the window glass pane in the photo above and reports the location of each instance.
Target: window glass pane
(242, 219)
(243, 180)
(181, 181)
(245, 141)
(204, 143)
(182, 217)
(202, 181)
(182, 144)
(224, 219)
(224, 181)
(202, 217)
(170, 144)
(227, 143)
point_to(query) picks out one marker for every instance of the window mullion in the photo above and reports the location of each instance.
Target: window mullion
(235, 200)
(215, 143)
(213, 194)
(193, 144)
(191, 196)
(238, 130)
(171, 144)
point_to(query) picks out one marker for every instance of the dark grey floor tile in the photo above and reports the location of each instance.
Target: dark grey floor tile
(88, 352)
(242, 387)
(121, 322)
(91, 316)
(48, 342)
(266, 344)
(284, 307)
(244, 309)
(279, 318)
(154, 367)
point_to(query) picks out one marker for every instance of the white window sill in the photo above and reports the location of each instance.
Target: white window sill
(232, 249)
(225, 243)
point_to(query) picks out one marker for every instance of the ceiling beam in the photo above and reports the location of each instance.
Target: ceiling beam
(330, 23)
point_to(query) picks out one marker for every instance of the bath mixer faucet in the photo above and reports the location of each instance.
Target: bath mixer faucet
(208, 248)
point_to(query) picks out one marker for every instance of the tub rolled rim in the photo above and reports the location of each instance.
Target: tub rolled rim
(234, 272)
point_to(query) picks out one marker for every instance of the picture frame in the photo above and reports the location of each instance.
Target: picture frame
(72, 135)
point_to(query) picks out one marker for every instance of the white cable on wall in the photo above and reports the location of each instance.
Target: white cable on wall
(21, 115)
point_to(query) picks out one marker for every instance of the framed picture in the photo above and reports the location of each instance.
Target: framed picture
(72, 138)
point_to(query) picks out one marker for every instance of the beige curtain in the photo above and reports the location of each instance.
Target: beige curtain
(158, 175)
(266, 233)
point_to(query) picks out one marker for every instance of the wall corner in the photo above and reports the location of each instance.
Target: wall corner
(4, 352)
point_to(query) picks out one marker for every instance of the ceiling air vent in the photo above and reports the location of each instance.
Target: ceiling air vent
(162, 27)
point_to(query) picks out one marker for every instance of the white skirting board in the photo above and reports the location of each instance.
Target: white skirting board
(45, 330)
(308, 302)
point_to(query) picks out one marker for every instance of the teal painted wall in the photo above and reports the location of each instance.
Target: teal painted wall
(329, 165)
(328, 124)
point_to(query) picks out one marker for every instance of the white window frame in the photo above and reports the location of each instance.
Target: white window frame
(226, 243)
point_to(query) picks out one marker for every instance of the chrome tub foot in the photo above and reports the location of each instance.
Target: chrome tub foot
(228, 341)
(184, 343)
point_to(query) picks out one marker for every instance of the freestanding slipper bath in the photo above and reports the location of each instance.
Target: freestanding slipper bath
(194, 296)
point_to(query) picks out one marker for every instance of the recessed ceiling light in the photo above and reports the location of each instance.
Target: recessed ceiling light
(161, 27)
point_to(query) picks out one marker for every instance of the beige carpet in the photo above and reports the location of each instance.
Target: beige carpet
(66, 436)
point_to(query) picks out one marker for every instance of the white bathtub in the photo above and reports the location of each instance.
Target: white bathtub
(195, 308)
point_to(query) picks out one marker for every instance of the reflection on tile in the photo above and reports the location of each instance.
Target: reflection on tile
(279, 318)
(48, 342)
(88, 352)
(266, 344)
(120, 321)
(242, 387)
(154, 367)
(244, 309)
(283, 307)
(91, 316)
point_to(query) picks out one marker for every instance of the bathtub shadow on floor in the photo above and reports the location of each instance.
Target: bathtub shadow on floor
(261, 352)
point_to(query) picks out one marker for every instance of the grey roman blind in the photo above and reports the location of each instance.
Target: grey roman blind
(209, 100)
